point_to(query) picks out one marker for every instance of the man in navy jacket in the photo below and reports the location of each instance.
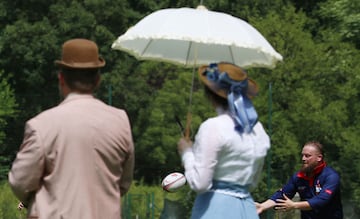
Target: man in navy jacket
(317, 184)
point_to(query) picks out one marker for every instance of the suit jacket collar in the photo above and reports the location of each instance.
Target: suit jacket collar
(76, 96)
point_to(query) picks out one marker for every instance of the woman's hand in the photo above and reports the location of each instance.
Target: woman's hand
(259, 208)
(183, 144)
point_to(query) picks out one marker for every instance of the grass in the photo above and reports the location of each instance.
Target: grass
(9, 203)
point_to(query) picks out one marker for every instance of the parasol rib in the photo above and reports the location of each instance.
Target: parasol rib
(188, 53)
(146, 47)
(232, 54)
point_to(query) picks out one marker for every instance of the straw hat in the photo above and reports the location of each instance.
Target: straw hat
(80, 54)
(234, 72)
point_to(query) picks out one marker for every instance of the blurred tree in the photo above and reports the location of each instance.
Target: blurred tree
(314, 91)
(30, 42)
(313, 95)
(343, 17)
(7, 109)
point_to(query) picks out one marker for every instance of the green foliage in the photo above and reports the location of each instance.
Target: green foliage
(7, 98)
(313, 97)
(7, 110)
(9, 203)
(314, 92)
(157, 145)
(343, 17)
(349, 158)
(141, 196)
(141, 200)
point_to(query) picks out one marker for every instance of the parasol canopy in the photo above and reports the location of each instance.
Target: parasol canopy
(193, 37)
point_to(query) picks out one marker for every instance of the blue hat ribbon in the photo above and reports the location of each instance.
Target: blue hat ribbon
(241, 108)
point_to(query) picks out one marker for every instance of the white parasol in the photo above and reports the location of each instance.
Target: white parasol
(193, 37)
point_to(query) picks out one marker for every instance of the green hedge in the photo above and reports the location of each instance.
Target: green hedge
(142, 196)
(147, 198)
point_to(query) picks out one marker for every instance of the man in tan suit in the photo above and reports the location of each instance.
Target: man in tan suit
(76, 159)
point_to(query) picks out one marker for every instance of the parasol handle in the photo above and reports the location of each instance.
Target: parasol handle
(187, 128)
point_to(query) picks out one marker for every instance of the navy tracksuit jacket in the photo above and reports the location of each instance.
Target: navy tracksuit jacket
(322, 192)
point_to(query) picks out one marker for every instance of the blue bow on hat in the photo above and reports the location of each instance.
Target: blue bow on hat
(241, 108)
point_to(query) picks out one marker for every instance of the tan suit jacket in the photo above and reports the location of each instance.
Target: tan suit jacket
(75, 162)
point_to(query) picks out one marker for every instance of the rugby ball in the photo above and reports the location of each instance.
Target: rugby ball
(173, 181)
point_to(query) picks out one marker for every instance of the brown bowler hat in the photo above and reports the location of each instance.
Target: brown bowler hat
(81, 54)
(235, 73)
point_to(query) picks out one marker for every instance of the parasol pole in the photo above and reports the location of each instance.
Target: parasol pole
(189, 114)
(188, 124)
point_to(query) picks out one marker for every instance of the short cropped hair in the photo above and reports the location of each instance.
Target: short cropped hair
(316, 145)
(81, 80)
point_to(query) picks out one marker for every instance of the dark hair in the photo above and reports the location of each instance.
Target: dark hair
(317, 145)
(81, 80)
(216, 98)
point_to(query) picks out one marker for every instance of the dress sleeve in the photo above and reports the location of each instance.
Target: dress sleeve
(28, 167)
(257, 175)
(262, 143)
(200, 160)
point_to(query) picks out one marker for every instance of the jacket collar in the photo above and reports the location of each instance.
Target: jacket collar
(76, 96)
(316, 172)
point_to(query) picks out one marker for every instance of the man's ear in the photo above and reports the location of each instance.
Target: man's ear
(98, 80)
(61, 78)
(319, 157)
